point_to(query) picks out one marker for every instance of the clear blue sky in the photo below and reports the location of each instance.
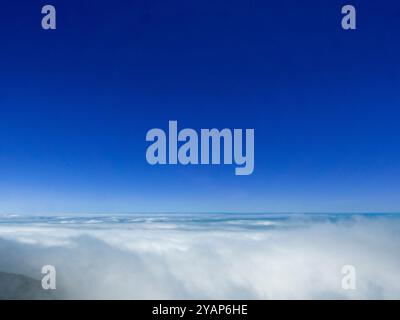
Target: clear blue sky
(76, 103)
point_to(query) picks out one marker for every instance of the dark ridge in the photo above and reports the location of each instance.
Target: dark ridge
(19, 287)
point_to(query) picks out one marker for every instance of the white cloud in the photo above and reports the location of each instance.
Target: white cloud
(163, 258)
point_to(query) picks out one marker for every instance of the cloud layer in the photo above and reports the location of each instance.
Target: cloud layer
(207, 257)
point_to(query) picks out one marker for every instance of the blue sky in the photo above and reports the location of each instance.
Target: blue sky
(76, 103)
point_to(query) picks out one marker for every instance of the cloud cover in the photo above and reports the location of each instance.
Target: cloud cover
(207, 257)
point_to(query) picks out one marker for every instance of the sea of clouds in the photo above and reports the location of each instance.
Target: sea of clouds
(207, 256)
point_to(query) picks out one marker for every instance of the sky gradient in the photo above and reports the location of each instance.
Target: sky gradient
(76, 104)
